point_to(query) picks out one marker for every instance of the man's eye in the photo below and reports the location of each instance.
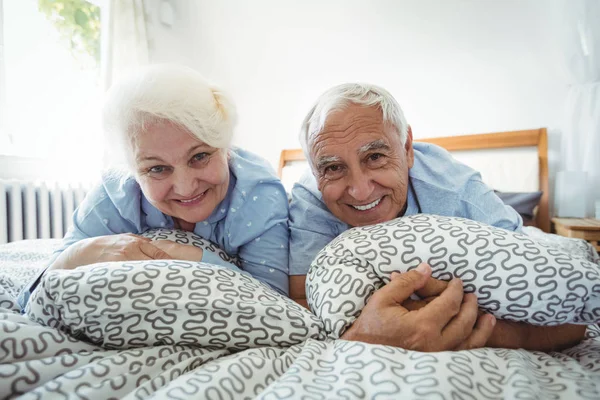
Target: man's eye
(375, 156)
(332, 168)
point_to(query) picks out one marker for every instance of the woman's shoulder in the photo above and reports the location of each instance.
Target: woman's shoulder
(258, 189)
(119, 183)
(248, 167)
(117, 190)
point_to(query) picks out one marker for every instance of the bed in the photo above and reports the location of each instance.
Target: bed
(256, 355)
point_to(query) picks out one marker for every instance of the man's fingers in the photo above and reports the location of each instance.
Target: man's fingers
(414, 305)
(154, 252)
(444, 307)
(480, 334)
(433, 287)
(461, 326)
(402, 287)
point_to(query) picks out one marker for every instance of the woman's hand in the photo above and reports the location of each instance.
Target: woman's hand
(179, 251)
(449, 321)
(122, 247)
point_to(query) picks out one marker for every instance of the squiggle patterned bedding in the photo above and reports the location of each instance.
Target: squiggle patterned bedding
(37, 361)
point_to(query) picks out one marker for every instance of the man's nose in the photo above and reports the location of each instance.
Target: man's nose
(360, 186)
(184, 183)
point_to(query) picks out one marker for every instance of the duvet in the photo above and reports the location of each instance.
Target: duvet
(174, 329)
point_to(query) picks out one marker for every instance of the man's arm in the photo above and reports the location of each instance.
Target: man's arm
(516, 335)
(480, 203)
(312, 227)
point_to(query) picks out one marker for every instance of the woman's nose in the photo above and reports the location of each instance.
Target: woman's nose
(184, 183)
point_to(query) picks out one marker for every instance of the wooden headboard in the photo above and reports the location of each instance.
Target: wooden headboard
(537, 138)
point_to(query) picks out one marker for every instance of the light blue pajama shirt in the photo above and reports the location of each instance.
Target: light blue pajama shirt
(250, 222)
(438, 184)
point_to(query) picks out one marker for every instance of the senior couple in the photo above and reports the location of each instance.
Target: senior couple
(176, 128)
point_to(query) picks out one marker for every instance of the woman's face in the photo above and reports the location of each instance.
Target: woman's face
(180, 175)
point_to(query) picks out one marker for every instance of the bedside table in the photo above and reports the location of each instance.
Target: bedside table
(579, 228)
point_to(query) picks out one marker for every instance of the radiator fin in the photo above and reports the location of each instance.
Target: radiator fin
(32, 210)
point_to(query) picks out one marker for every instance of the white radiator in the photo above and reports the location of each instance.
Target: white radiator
(30, 210)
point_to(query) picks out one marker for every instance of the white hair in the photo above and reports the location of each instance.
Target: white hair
(339, 97)
(169, 93)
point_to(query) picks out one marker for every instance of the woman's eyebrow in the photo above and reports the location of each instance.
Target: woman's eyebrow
(374, 145)
(196, 147)
(149, 158)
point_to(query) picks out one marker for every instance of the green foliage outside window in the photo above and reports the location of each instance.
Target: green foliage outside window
(78, 21)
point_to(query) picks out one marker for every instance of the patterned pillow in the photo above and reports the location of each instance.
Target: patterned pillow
(514, 276)
(190, 238)
(121, 305)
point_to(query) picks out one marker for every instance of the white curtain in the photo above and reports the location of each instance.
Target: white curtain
(125, 46)
(581, 128)
(126, 40)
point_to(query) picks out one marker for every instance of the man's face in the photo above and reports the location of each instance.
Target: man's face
(361, 166)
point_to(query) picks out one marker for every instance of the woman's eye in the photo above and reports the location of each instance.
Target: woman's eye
(200, 157)
(158, 169)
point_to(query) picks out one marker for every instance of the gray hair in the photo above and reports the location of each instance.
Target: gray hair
(339, 97)
(169, 93)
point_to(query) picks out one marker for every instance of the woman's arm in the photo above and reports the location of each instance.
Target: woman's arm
(122, 247)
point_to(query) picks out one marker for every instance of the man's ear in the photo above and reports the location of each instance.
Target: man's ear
(410, 154)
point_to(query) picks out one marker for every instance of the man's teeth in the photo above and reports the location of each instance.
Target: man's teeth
(367, 206)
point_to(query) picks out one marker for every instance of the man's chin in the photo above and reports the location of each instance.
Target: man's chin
(356, 221)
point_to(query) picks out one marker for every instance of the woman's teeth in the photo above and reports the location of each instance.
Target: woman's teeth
(194, 199)
(367, 206)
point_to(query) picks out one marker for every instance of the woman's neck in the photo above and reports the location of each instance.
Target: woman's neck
(184, 225)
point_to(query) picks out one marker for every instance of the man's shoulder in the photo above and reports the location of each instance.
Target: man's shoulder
(435, 168)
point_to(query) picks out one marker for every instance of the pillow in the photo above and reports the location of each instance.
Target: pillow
(190, 238)
(513, 276)
(524, 203)
(121, 305)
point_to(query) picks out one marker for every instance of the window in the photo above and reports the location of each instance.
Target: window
(50, 81)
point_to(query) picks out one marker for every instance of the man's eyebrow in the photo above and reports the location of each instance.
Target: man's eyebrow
(323, 161)
(375, 145)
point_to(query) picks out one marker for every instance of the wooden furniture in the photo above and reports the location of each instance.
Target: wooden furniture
(579, 228)
(526, 138)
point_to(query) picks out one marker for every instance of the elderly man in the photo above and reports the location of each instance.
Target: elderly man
(366, 170)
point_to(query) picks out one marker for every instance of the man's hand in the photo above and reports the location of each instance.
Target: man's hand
(450, 321)
(510, 334)
(123, 247)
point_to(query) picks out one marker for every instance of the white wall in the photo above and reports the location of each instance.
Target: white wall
(456, 67)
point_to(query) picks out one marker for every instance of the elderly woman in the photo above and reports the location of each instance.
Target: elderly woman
(175, 130)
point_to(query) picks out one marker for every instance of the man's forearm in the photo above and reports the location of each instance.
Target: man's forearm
(518, 335)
